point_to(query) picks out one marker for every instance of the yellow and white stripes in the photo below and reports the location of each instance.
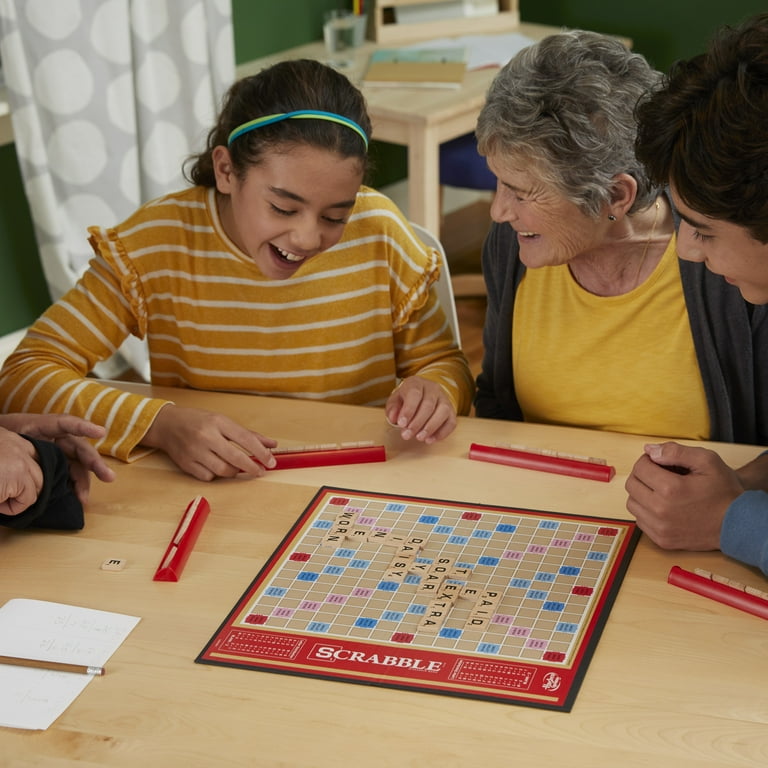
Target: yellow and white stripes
(345, 328)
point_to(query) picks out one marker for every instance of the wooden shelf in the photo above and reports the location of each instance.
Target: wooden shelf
(384, 27)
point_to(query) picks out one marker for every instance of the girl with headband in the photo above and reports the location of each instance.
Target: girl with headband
(276, 273)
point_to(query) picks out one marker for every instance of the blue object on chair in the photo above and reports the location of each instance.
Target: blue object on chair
(462, 166)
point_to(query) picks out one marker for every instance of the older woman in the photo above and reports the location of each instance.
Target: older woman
(592, 320)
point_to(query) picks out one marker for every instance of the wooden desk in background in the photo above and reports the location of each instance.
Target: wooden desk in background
(419, 118)
(677, 680)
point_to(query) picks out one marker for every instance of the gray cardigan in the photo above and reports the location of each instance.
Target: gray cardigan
(729, 334)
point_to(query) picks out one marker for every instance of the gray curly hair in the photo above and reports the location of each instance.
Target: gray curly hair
(567, 105)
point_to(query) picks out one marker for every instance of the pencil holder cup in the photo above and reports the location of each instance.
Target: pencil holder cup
(343, 32)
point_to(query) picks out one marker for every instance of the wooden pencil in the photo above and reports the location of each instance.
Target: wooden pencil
(54, 666)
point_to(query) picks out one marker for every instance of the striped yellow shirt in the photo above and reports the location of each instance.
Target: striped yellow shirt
(344, 328)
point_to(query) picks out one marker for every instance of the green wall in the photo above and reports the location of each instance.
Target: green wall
(23, 292)
(662, 30)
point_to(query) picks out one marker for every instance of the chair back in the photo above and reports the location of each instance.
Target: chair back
(9, 342)
(444, 287)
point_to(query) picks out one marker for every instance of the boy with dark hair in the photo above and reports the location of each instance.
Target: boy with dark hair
(705, 132)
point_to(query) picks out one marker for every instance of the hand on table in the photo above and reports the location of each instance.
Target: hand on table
(207, 445)
(421, 409)
(69, 433)
(20, 475)
(682, 507)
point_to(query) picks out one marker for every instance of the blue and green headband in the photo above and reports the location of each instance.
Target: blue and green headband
(299, 114)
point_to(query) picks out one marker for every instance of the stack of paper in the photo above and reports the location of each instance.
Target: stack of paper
(417, 67)
(35, 629)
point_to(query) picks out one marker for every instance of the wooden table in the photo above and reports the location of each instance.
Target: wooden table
(677, 680)
(419, 118)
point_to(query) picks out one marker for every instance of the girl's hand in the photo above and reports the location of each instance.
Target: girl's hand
(207, 445)
(421, 409)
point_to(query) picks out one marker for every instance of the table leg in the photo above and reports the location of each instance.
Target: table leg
(424, 180)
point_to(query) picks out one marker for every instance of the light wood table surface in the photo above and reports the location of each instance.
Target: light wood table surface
(419, 118)
(677, 680)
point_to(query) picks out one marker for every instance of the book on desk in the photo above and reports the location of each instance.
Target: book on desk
(416, 67)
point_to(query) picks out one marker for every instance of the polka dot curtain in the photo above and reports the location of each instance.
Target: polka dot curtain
(108, 98)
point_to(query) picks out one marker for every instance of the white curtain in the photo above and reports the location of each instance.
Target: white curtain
(108, 97)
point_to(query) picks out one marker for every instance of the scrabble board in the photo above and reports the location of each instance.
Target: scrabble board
(438, 596)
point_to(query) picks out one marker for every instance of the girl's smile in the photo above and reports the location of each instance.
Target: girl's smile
(288, 208)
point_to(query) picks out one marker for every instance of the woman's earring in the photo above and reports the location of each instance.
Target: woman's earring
(611, 217)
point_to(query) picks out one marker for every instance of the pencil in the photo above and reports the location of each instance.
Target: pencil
(54, 666)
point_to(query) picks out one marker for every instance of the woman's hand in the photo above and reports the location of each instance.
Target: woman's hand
(207, 445)
(69, 433)
(20, 475)
(421, 409)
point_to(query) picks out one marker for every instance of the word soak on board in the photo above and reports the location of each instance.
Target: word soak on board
(439, 596)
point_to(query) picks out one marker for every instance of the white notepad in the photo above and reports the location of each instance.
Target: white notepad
(34, 698)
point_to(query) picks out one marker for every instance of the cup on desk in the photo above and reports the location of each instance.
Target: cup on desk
(343, 32)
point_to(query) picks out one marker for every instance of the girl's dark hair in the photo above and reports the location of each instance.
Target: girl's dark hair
(284, 87)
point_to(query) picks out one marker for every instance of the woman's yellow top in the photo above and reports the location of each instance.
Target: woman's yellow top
(621, 363)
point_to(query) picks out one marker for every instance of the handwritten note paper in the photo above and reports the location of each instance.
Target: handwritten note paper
(34, 698)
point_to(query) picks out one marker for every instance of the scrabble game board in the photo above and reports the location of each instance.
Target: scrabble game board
(447, 597)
